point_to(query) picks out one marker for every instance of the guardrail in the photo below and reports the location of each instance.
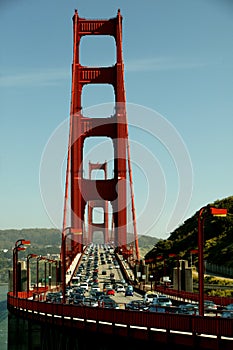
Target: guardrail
(148, 325)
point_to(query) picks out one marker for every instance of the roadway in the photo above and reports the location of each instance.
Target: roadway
(103, 259)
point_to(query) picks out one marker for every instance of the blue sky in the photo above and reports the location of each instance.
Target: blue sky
(178, 59)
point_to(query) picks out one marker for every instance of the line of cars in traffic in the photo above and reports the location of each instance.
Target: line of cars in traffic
(88, 291)
(151, 302)
(161, 303)
(95, 280)
(95, 283)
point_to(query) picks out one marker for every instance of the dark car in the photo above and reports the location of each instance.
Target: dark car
(138, 305)
(156, 308)
(129, 291)
(227, 314)
(99, 295)
(78, 299)
(109, 304)
(90, 301)
(188, 309)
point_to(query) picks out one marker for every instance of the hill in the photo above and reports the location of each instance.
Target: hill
(218, 237)
(146, 243)
(39, 237)
(43, 242)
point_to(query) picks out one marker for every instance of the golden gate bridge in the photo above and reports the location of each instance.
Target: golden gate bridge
(82, 197)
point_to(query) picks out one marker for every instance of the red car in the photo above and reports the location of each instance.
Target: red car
(110, 292)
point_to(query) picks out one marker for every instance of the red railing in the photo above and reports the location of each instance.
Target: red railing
(170, 322)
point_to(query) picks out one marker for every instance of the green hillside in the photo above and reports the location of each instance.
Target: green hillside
(146, 243)
(218, 237)
(43, 242)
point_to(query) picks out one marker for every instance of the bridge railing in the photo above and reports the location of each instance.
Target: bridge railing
(214, 326)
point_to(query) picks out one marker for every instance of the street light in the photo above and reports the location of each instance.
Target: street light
(151, 277)
(192, 252)
(19, 246)
(203, 213)
(37, 270)
(29, 256)
(50, 261)
(162, 259)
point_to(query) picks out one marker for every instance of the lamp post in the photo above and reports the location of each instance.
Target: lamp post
(203, 213)
(192, 251)
(50, 261)
(19, 246)
(161, 258)
(50, 275)
(37, 270)
(151, 277)
(29, 256)
(64, 236)
(45, 272)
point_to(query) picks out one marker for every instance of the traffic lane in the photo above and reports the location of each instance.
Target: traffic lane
(121, 299)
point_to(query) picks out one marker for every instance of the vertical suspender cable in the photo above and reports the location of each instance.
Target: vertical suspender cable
(68, 166)
(128, 149)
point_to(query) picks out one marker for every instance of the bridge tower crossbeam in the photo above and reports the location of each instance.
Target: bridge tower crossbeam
(103, 204)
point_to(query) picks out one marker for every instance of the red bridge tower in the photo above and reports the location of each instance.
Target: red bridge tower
(88, 192)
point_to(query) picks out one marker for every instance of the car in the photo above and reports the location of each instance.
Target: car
(109, 304)
(128, 292)
(210, 305)
(156, 308)
(85, 279)
(162, 300)
(148, 297)
(188, 309)
(84, 285)
(80, 290)
(227, 314)
(90, 301)
(104, 272)
(107, 286)
(110, 291)
(227, 311)
(78, 299)
(138, 305)
(120, 289)
(229, 307)
(130, 287)
(104, 298)
(99, 295)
